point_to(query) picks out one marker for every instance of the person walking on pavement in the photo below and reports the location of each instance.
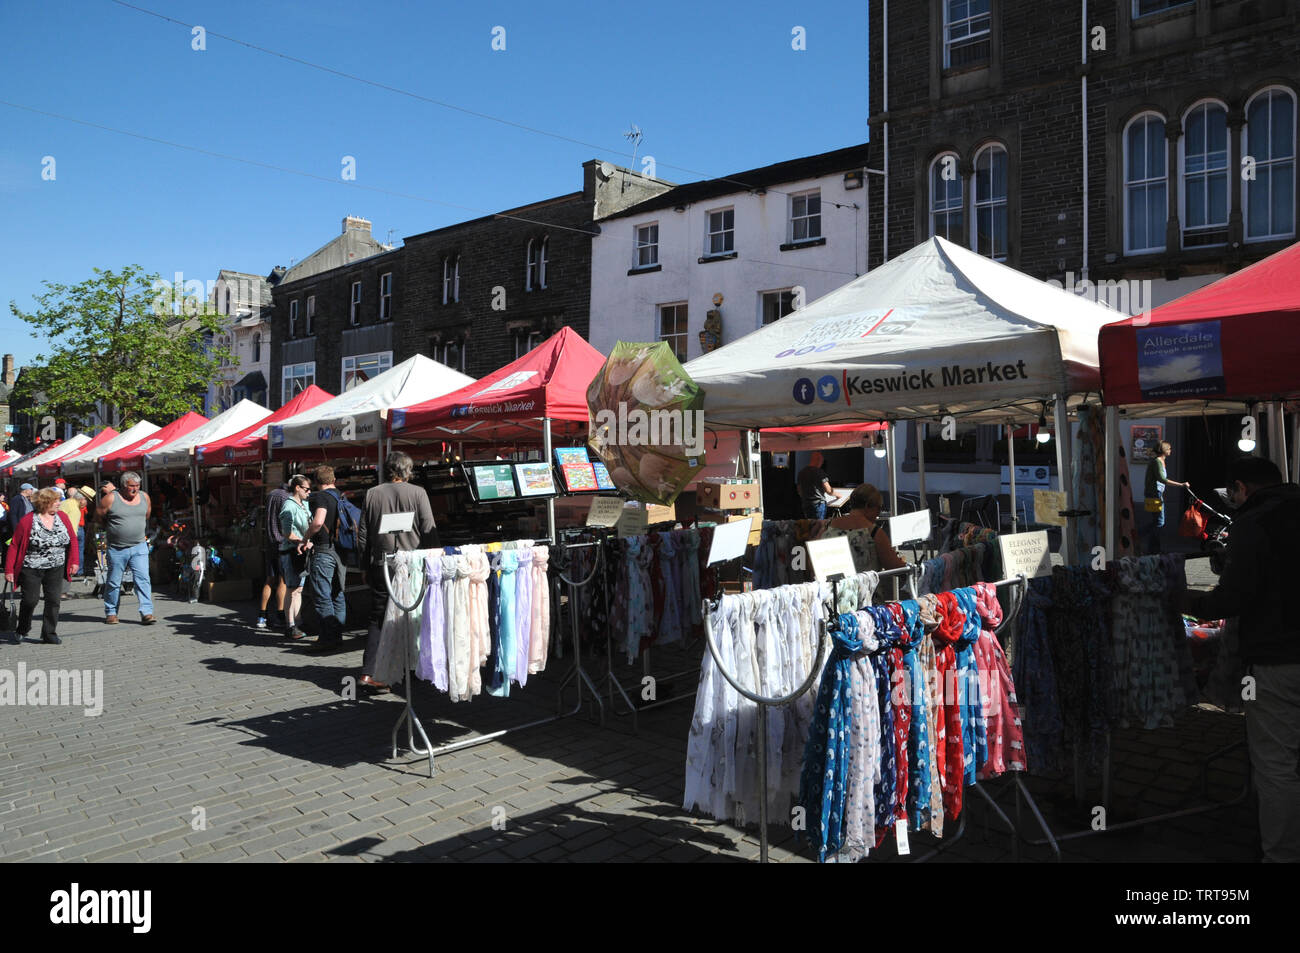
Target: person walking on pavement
(294, 520)
(274, 575)
(396, 496)
(125, 513)
(22, 504)
(1261, 567)
(42, 557)
(327, 573)
(1157, 479)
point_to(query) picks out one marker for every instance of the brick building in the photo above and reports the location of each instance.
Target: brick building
(474, 295)
(1190, 160)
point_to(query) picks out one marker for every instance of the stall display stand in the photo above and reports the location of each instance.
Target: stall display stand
(576, 674)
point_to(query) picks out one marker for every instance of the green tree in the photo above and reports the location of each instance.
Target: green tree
(123, 345)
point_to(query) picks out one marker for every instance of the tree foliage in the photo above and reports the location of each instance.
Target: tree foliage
(124, 345)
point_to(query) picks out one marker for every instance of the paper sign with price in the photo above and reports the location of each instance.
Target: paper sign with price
(1047, 507)
(633, 520)
(1026, 553)
(831, 557)
(605, 511)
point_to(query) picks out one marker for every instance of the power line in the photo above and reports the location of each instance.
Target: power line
(387, 87)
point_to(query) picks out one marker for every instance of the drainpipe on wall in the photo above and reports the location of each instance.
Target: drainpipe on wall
(1083, 80)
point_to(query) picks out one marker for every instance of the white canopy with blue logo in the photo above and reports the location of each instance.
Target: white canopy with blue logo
(938, 330)
(355, 418)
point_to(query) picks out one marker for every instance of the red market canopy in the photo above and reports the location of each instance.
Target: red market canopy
(549, 382)
(249, 444)
(51, 467)
(132, 457)
(1234, 339)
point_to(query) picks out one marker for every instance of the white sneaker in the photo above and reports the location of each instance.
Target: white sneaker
(261, 622)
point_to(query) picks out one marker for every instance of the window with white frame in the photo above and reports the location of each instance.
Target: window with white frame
(451, 279)
(947, 198)
(293, 318)
(673, 327)
(647, 245)
(989, 228)
(806, 216)
(1142, 8)
(1146, 200)
(452, 354)
(257, 347)
(1205, 175)
(296, 378)
(385, 296)
(310, 324)
(227, 301)
(1270, 141)
(354, 308)
(967, 32)
(525, 341)
(775, 305)
(535, 271)
(359, 368)
(721, 237)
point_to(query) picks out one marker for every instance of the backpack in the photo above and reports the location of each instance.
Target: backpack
(345, 527)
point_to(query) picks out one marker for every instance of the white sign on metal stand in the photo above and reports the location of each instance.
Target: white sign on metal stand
(396, 523)
(909, 527)
(1026, 554)
(831, 557)
(729, 541)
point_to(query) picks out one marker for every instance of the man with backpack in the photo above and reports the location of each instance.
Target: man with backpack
(327, 535)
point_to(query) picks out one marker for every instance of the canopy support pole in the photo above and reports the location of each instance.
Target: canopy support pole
(1277, 437)
(1295, 446)
(550, 500)
(920, 470)
(194, 499)
(1011, 473)
(1112, 482)
(379, 454)
(893, 471)
(1063, 465)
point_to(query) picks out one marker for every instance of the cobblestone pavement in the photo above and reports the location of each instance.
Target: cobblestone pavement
(204, 717)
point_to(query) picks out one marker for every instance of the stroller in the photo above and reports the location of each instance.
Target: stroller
(1202, 521)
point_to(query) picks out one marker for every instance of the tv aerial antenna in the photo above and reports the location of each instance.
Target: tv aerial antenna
(634, 136)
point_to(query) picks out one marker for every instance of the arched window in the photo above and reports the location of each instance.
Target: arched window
(535, 277)
(1146, 197)
(989, 235)
(530, 269)
(451, 279)
(227, 300)
(1205, 175)
(542, 256)
(257, 347)
(947, 198)
(1270, 141)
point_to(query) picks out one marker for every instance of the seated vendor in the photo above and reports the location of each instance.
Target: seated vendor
(868, 539)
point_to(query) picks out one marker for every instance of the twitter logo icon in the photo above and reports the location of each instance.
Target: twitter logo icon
(828, 389)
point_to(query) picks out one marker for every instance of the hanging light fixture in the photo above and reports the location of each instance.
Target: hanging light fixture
(1246, 445)
(879, 449)
(1043, 435)
(1247, 442)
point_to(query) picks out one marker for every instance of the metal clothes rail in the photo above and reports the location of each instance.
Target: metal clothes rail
(575, 674)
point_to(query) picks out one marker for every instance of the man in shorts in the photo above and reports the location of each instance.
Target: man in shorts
(273, 574)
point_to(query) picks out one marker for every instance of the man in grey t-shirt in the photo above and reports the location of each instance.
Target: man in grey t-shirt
(125, 513)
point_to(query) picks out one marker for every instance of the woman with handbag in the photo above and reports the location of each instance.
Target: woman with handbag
(295, 518)
(1157, 479)
(42, 556)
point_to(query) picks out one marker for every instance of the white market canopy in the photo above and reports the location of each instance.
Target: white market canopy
(938, 330)
(71, 445)
(85, 463)
(178, 453)
(356, 417)
(9, 457)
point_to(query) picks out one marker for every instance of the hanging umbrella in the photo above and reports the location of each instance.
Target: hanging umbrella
(647, 421)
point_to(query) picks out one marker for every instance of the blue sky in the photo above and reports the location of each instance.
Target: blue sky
(715, 88)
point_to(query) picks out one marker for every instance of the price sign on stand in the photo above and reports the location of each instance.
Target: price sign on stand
(831, 557)
(729, 541)
(633, 520)
(1047, 507)
(605, 511)
(1026, 553)
(909, 527)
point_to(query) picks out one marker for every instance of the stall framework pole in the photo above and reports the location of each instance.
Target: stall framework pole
(891, 449)
(920, 472)
(550, 500)
(1063, 470)
(379, 467)
(1277, 437)
(1295, 446)
(1011, 473)
(1112, 481)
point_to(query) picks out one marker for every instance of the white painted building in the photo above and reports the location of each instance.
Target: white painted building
(757, 239)
(244, 301)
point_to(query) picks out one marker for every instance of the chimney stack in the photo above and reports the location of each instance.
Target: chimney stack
(8, 370)
(359, 224)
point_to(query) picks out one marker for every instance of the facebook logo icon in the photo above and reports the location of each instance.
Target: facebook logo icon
(803, 391)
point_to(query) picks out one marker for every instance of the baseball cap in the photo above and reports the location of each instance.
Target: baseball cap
(60, 482)
(26, 486)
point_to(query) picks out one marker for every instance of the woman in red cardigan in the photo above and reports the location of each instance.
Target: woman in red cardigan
(43, 554)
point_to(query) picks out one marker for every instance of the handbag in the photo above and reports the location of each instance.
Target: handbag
(1154, 504)
(1193, 523)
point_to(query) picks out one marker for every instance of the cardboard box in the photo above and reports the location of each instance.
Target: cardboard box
(728, 496)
